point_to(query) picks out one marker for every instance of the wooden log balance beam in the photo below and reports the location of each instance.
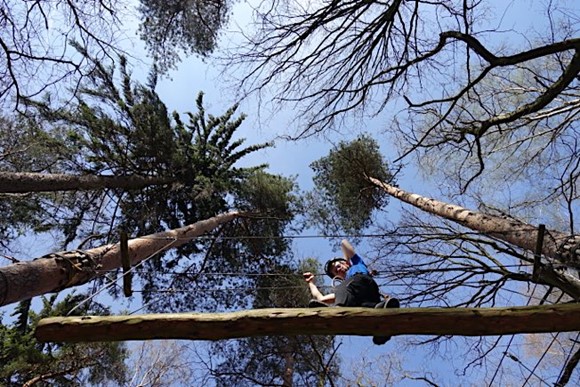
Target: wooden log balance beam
(319, 321)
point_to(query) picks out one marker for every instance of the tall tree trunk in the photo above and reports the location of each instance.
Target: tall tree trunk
(288, 369)
(557, 245)
(62, 270)
(22, 182)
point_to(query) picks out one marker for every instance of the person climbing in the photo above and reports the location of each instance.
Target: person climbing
(357, 287)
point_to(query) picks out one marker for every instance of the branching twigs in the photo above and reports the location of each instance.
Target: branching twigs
(335, 59)
(38, 45)
(332, 48)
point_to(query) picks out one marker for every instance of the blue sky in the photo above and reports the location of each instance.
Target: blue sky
(290, 158)
(293, 159)
(179, 91)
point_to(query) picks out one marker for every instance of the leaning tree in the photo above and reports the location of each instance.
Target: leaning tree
(482, 97)
(456, 257)
(116, 128)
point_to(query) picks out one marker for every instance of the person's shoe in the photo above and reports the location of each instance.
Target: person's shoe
(316, 304)
(390, 302)
(380, 340)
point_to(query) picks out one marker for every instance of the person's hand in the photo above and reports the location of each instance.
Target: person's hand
(308, 277)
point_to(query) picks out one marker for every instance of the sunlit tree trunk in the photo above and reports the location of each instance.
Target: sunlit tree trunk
(22, 182)
(58, 271)
(556, 245)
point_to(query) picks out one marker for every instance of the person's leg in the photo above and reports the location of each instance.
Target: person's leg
(360, 290)
(346, 293)
(316, 304)
(389, 302)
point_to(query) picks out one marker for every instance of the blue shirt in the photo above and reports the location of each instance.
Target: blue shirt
(357, 266)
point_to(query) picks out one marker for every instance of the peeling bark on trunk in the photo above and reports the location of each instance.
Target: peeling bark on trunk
(557, 245)
(322, 321)
(62, 270)
(23, 182)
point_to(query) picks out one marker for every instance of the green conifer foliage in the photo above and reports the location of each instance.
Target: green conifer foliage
(181, 26)
(23, 359)
(117, 126)
(343, 197)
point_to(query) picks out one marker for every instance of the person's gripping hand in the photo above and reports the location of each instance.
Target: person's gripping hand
(308, 277)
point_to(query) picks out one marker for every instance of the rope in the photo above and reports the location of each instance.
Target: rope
(186, 290)
(379, 274)
(328, 236)
(114, 283)
(509, 343)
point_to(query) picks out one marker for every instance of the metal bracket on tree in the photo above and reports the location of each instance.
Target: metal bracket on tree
(126, 262)
(538, 252)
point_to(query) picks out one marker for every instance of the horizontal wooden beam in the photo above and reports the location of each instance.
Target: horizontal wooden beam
(320, 321)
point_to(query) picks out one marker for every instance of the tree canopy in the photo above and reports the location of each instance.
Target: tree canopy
(116, 126)
(24, 361)
(480, 98)
(343, 197)
(181, 26)
(43, 38)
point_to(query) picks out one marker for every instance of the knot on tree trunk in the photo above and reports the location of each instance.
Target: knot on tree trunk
(74, 263)
(569, 251)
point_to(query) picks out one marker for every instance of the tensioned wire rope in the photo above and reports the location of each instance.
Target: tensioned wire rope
(376, 274)
(394, 233)
(211, 237)
(172, 240)
(173, 290)
(391, 234)
(238, 289)
(568, 358)
(554, 338)
(379, 273)
(298, 287)
(511, 356)
(170, 291)
(114, 282)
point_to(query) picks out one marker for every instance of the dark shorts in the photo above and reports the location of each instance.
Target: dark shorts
(359, 290)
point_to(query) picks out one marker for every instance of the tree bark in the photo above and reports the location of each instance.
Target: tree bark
(321, 321)
(58, 271)
(23, 182)
(557, 245)
(287, 377)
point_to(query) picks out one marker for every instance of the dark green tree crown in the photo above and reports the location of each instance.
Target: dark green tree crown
(344, 197)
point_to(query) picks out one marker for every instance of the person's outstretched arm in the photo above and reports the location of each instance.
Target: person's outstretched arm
(328, 299)
(347, 250)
